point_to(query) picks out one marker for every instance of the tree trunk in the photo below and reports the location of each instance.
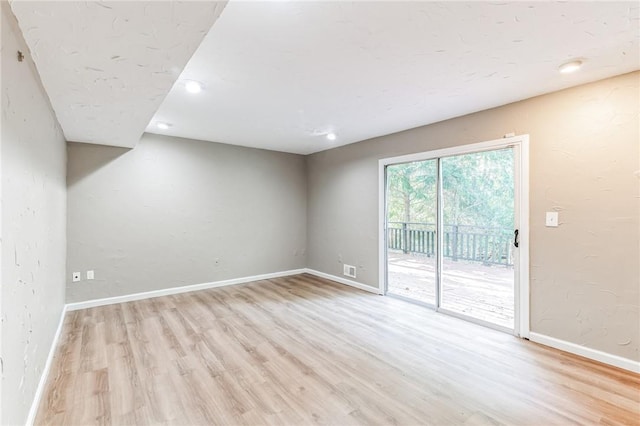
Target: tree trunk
(405, 225)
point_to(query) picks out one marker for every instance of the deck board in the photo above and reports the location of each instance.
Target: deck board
(481, 291)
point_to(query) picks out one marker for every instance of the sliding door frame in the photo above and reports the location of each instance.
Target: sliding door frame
(520, 144)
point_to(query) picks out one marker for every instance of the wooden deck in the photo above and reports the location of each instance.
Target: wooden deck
(469, 288)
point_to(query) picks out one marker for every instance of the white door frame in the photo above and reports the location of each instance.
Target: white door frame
(521, 158)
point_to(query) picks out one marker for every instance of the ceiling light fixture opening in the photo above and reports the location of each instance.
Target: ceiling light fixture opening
(163, 126)
(331, 136)
(570, 67)
(192, 86)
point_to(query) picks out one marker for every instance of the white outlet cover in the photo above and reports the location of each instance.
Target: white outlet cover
(90, 275)
(76, 277)
(552, 219)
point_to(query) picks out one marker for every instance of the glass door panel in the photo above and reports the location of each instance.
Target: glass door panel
(411, 230)
(477, 275)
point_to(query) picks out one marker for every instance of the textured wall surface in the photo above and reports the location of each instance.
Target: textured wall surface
(33, 158)
(174, 212)
(585, 162)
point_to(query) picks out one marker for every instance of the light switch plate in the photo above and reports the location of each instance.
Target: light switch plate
(552, 219)
(76, 277)
(90, 275)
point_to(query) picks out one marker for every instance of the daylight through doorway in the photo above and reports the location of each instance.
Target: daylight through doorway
(450, 233)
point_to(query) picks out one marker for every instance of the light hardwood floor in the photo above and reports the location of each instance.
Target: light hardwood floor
(303, 350)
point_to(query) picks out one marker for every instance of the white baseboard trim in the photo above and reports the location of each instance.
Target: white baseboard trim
(177, 290)
(594, 354)
(345, 281)
(33, 411)
(542, 339)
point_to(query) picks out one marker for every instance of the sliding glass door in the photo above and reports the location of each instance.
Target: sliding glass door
(477, 275)
(450, 234)
(411, 230)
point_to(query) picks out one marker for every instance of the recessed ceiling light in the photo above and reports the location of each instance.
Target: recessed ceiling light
(331, 136)
(163, 126)
(570, 67)
(192, 86)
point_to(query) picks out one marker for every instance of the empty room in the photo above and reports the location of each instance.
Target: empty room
(320, 212)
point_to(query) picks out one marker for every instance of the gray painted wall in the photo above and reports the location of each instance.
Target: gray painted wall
(174, 212)
(585, 161)
(33, 161)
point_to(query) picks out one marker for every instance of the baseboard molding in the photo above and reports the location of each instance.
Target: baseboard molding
(223, 283)
(33, 411)
(177, 290)
(594, 354)
(542, 339)
(343, 281)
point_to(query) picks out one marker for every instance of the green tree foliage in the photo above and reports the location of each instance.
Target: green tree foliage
(478, 190)
(412, 192)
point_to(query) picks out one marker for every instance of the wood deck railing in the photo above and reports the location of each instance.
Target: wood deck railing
(460, 242)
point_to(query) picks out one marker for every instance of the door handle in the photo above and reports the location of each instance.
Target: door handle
(515, 238)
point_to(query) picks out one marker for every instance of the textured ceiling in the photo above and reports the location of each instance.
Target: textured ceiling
(107, 66)
(281, 75)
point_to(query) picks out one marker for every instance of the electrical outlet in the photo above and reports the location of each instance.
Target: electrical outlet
(349, 271)
(76, 277)
(91, 275)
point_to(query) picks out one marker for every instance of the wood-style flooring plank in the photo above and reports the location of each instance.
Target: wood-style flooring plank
(304, 350)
